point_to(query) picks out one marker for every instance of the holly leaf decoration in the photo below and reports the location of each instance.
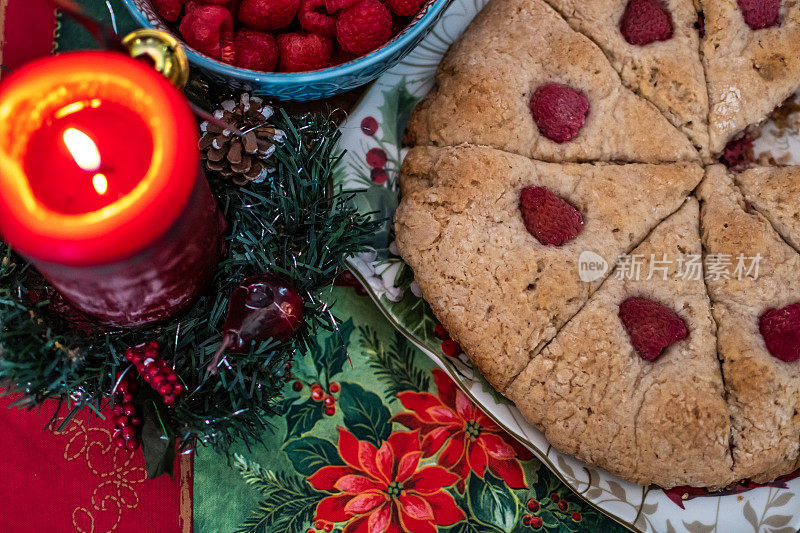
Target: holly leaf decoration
(330, 358)
(365, 415)
(395, 110)
(158, 439)
(312, 453)
(492, 502)
(301, 417)
(287, 500)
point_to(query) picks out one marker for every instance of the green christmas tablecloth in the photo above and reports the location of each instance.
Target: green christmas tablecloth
(385, 442)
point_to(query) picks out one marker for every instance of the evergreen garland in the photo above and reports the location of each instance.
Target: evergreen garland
(293, 225)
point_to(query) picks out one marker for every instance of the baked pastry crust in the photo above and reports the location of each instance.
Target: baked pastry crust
(748, 72)
(763, 392)
(663, 422)
(775, 192)
(485, 81)
(499, 292)
(667, 73)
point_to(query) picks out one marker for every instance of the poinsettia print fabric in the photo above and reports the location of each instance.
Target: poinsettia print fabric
(469, 440)
(372, 437)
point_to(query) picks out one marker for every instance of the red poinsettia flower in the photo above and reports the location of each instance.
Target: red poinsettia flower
(471, 440)
(385, 489)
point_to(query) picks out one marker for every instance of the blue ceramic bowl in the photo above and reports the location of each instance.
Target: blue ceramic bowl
(303, 85)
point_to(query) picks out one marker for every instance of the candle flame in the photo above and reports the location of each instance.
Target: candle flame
(82, 148)
(100, 183)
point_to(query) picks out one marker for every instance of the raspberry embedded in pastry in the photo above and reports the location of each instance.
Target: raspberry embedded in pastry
(559, 111)
(651, 326)
(780, 329)
(549, 218)
(645, 22)
(760, 14)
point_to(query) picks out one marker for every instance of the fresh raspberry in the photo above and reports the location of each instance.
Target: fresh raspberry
(404, 7)
(760, 14)
(780, 329)
(256, 50)
(267, 15)
(651, 326)
(332, 6)
(209, 30)
(313, 18)
(299, 53)
(559, 111)
(738, 153)
(364, 27)
(547, 217)
(646, 21)
(169, 9)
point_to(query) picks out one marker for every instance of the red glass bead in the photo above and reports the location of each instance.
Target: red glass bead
(132, 444)
(170, 399)
(129, 432)
(165, 389)
(178, 389)
(120, 442)
(127, 398)
(121, 421)
(136, 421)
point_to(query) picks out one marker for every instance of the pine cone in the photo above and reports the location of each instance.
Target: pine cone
(242, 159)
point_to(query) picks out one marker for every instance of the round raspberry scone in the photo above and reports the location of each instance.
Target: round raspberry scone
(681, 365)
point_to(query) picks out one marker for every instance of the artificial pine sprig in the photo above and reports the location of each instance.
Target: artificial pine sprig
(294, 224)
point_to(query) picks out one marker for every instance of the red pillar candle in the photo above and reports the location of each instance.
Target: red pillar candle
(101, 187)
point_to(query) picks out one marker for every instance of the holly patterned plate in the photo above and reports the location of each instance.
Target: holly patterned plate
(372, 136)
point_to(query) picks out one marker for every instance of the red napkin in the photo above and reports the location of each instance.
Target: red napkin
(77, 481)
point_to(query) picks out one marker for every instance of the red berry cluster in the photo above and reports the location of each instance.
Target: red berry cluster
(449, 346)
(533, 506)
(127, 420)
(287, 35)
(155, 371)
(318, 394)
(320, 526)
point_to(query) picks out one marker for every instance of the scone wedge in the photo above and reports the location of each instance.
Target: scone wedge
(775, 193)
(763, 391)
(513, 48)
(667, 71)
(499, 291)
(749, 71)
(663, 421)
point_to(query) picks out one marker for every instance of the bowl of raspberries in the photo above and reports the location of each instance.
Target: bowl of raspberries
(292, 49)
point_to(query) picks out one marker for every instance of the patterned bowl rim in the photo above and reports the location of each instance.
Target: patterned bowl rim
(417, 27)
